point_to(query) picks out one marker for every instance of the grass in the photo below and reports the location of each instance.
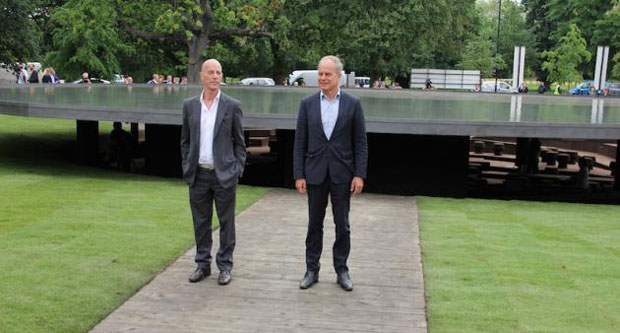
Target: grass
(515, 266)
(76, 242)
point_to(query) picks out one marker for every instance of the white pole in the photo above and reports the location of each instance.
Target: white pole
(597, 69)
(604, 69)
(522, 62)
(515, 68)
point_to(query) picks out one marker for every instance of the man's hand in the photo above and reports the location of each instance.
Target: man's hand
(300, 185)
(356, 185)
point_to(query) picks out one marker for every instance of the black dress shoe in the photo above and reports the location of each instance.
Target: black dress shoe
(344, 280)
(199, 274)
(224, 278)
(309, 279)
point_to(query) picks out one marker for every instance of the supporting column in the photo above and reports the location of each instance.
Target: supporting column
(135, 132)
(286, 143)
(527, 155)
(87, 147)
(163, 150)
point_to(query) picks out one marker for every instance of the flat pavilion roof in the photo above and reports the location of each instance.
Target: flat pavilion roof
(386, 111)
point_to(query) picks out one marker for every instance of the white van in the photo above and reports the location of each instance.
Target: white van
(362, 82)
(310, 78)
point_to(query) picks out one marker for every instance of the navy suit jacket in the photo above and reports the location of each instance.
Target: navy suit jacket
(344, 155)
(228, 141)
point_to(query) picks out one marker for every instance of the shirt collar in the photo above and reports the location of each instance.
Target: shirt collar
(216, 100)
(324, 97)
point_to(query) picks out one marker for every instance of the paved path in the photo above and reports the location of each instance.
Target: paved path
(269, 262)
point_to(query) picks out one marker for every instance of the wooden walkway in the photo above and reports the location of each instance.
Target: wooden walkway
(264, 295)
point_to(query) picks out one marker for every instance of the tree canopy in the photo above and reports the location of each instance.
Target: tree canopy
(376, 38)
(562, 62)
(19, 36)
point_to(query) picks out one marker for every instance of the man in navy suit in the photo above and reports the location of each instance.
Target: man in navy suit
(329, 160)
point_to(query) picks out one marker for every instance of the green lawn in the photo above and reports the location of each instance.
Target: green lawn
(76, 242)
(516, 266)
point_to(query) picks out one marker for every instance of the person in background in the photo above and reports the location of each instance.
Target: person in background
(54, 76)
(22, 74)
(154, 79)
(34, 74)
(169, 79)
(48, 77)
(184, 80)
(85, 78)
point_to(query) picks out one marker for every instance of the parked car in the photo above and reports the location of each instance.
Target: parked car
(614, 89)
(93, 80)
(585, 87)
(502, 87)
(257, 81)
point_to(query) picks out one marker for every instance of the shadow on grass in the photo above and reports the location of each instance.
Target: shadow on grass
(54, 154)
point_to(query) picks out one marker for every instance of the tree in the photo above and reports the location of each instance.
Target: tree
(480, 54)
(606, 33)
(514, 31)
(378, 38)
(562, 63)
(19, 36)
(615, 71)
(551, 20)
(86, 38)
(197, 23)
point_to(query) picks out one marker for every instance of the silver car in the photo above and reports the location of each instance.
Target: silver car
(257, 81)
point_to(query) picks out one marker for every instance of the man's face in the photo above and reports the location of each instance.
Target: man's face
(211, 75)
(329, 77)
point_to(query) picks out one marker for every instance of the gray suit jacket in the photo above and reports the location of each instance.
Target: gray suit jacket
(228, 141)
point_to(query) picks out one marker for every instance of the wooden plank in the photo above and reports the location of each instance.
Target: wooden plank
(269, 261)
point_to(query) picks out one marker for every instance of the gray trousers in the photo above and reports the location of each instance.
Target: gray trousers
(205, 190)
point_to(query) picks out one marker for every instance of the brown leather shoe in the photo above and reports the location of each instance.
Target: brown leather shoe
(199, 274)
(224, 278)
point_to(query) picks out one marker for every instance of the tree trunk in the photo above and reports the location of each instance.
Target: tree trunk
(194, 62)
(279, 67)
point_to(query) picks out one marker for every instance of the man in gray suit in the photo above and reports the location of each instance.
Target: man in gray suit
(213, 157)
(329, 160)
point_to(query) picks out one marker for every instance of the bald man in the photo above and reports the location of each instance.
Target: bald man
(213, 157)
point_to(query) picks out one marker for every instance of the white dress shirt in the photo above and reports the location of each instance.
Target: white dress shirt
(207, 129)
(329, 113)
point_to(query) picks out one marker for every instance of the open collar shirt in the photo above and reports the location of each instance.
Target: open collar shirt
(329, 113)
(207, 129)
